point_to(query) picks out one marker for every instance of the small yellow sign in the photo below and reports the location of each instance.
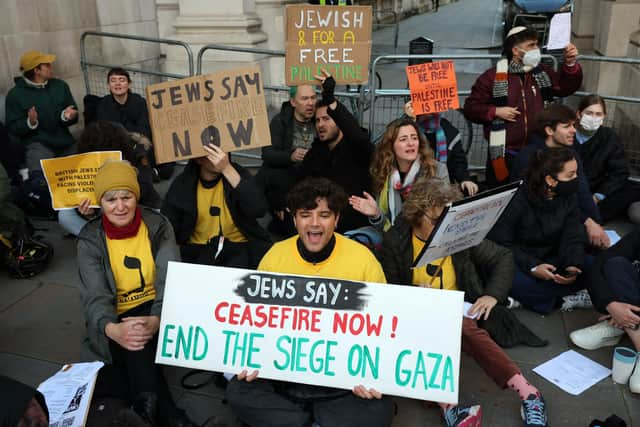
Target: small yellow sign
(70, 179)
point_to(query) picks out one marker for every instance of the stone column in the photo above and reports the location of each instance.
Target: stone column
(272, 13)
(225, 22)
(614, 21)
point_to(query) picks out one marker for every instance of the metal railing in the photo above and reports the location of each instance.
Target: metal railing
(87, 64)
(393, 101)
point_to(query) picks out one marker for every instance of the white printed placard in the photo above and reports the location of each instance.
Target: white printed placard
(466, 223)
(400, 340)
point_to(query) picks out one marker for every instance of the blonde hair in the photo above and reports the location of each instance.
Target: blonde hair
(426, 194)
(384, 159)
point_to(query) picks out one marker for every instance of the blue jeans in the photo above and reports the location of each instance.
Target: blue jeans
(543, 296)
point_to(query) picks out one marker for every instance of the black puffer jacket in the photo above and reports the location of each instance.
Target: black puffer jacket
(278, 154)
(536, 230)
(604, 162)
(485, 269)
(245, 202)
(347, 164)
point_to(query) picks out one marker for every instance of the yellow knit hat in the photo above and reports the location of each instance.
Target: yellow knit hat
(33, 58)
(116, 175)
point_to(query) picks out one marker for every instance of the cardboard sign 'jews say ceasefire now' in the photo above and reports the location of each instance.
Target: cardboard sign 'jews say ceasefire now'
(226, 108)
(337, 39)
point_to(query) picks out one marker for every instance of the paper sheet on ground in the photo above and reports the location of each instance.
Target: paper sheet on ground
(613, 236)
(559, 31)
(572, 372)
(68, 393)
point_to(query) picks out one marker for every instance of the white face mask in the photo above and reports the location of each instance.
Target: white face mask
(590, 123)
(531, 58)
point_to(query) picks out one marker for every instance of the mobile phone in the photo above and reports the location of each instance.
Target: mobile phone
(565, 273)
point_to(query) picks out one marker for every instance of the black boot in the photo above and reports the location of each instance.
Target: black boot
(180, 419)
(146, 405)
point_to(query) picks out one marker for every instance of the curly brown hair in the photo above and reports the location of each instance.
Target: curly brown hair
(384, 158)
(428, 193)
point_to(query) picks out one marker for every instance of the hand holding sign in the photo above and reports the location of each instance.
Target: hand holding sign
(328, 88)
(483, 306)
(570, 55)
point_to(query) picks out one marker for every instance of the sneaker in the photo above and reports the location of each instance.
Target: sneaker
(513, 303)
(580, 299)
(463, 416)
(602, 334)
(534, 411)
(634, 379)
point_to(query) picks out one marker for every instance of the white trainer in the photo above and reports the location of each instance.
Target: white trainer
(634, 380)
(602, 334)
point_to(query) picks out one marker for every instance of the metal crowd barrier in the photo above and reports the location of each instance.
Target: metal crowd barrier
(388, 104)
(384, 105)
(94, 72)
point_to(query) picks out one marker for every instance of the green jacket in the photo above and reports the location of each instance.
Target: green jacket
(98, 287)
(49, 101)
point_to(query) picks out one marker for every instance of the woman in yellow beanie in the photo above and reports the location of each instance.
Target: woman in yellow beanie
(122, 257)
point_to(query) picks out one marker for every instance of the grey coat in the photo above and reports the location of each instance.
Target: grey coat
(98, 287)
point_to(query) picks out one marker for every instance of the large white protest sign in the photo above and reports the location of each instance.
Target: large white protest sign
(465, 223)
(401, 340)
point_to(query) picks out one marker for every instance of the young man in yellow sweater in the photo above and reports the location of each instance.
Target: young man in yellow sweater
(316, 250)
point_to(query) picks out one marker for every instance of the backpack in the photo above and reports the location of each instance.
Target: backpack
(23, 255)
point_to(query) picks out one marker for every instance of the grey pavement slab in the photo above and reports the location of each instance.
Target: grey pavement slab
(47, 324)
(29, 370)
(13, 290)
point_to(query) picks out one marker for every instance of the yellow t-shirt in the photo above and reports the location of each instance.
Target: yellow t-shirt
(134, 269)
(421, 277)
(349, 260)
(207, 225)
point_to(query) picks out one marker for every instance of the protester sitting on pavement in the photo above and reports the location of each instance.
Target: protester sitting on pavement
(614, 285)
(401, 157)
(213, 207)
(507, 98)
(39, 111)
(317, 250)
(555, 128)
(341, 152)
(604, 160)
(122, 258)
(130, 110)
(484, 273)
(445, 141)
(110, 136)
(542, 228)
(22, 405)
(292, 132)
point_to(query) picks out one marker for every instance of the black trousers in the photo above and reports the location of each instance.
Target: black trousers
(261, 403)
(616, 204)
(134, 372)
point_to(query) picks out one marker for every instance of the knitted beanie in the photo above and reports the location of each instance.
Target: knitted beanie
(116, 175)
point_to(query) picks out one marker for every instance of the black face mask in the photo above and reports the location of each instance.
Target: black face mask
(566, 188)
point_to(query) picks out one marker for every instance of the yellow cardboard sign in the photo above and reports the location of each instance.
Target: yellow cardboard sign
(70, 178)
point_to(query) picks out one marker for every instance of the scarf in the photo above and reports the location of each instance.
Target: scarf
(117, 233)
(498, 134)
(396, 189)
(432, 125)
